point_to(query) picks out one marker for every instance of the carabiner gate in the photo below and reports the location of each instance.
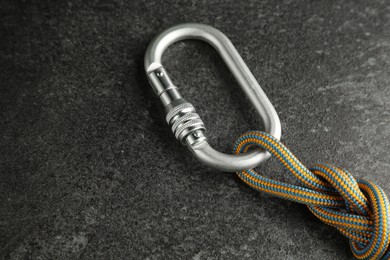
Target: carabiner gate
(181, 115)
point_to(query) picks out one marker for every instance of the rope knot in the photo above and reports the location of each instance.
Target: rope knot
(359, 209)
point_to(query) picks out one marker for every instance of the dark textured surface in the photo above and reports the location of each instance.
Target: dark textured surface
(88, 168)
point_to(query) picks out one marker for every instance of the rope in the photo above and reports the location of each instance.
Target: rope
(358, 208)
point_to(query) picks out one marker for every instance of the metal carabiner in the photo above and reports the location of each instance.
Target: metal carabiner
(181, 116)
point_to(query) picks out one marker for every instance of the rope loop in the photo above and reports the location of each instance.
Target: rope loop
(358, 208)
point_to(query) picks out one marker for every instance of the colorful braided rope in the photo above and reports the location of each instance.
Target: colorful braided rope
(359, 209)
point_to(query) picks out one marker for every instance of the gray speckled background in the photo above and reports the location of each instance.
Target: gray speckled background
(89, 170)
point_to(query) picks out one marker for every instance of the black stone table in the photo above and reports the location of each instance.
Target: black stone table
(89, 169)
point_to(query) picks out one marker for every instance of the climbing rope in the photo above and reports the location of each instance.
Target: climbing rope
(358, 208)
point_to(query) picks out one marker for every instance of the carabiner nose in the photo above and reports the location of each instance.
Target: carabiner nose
(181, 115)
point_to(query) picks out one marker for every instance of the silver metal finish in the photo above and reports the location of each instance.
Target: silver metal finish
(181, 115)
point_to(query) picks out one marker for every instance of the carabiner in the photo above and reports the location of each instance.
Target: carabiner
(181, 115)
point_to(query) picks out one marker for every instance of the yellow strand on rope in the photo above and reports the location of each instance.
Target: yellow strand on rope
(358, 208)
